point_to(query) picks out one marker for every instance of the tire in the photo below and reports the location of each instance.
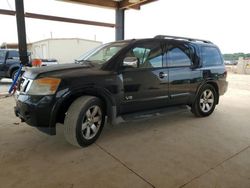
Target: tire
(205, 101)
(14, 73)
(84, 121)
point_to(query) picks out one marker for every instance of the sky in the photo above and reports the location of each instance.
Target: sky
(224, 22)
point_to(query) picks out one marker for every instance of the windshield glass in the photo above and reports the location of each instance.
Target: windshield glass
(103, 53)
(2, 54)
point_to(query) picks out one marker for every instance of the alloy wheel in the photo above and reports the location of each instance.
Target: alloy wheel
(206, 100)
(91, 122)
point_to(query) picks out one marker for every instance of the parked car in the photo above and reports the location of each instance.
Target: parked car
(230, 62)
(9, 63)
(119, 79)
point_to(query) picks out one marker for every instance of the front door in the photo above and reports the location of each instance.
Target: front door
(145, 84)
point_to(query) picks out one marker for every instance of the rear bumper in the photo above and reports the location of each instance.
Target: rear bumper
(223, 88)
(36, 112)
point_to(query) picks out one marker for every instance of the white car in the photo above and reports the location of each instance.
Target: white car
(48, 62)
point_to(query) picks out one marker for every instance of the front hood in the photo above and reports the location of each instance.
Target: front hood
(60, 70)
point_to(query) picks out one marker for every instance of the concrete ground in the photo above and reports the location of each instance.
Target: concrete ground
(4, 86)
(177, 150)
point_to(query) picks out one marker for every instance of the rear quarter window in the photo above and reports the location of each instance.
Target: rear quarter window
(211, 56)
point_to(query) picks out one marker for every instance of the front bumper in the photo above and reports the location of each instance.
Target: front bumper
(36, 111)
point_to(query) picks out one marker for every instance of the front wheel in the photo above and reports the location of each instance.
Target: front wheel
(14, 74)
(84, 121)
(205, 102)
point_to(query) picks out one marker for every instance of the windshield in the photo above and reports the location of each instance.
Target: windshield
(2, 54)
(103, 53)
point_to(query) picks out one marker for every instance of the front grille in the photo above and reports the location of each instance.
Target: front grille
(24, 85)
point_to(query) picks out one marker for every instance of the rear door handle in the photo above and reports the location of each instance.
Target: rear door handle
(162, 74)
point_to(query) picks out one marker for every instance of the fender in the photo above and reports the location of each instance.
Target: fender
(65, 97)
(204, 82)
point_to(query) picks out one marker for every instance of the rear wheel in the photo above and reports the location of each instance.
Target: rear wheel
(205, 102)
(84, 121)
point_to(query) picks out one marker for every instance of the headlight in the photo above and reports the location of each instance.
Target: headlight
(44, 86)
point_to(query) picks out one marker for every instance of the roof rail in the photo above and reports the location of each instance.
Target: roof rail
(181, 38)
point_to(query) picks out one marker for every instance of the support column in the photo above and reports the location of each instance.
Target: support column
(21, 32)
(119, 21)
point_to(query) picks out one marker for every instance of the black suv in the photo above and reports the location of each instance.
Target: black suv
(122, 78)
(9, 63)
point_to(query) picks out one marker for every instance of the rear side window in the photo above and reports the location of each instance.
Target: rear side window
(211, 56)
(178, 57)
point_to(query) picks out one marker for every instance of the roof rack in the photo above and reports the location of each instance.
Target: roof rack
(181, 38)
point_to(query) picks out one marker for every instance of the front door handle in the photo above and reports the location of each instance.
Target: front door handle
(162, 74)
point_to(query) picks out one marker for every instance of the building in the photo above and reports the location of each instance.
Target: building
(65, 50)
(9, 45)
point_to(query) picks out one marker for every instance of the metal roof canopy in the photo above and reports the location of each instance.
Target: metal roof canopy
(57, 18)
(114, 4)
(119, 5)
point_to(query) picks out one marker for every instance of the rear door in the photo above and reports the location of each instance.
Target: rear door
(146, 85)
(182, 77)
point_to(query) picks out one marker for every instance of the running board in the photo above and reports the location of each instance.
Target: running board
(138, 116)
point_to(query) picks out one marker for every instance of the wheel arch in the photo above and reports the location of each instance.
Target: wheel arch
(62, 106)
(11, 70)
(209, 82)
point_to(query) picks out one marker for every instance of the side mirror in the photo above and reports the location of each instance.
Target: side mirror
(130, 62)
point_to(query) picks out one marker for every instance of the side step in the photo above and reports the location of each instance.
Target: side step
(138, 116)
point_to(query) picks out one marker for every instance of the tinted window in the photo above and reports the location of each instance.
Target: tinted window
(178, 57)
(13, 55)
(211, 56)
(149, 55)
(2, 54)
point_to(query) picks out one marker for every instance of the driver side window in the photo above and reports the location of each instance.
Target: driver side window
(148, 55)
